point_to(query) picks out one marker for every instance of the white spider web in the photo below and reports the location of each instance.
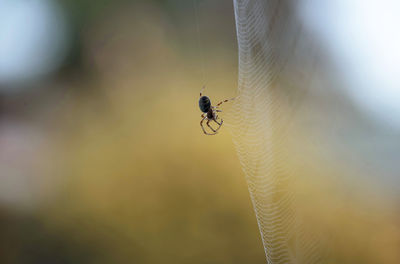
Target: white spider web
(271, 87)
(309, 185)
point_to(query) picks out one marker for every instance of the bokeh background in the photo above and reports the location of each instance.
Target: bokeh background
(101, 154)
(102, 159)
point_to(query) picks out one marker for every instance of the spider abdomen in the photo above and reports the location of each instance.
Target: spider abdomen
(204, 104)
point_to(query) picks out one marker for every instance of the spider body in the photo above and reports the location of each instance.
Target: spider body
(209, 113)
(205, 104)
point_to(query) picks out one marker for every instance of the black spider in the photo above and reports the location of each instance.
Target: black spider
(210, 113)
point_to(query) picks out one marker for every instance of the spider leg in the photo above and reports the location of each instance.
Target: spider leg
(202, 89)
(201, 124)
(224, 101)
(208, 124)
(202, 127)
(215, 109)
(220, 124)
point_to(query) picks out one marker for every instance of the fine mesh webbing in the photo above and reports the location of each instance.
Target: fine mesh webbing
(271, 47)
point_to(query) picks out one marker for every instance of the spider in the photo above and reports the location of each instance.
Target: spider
(210, 113)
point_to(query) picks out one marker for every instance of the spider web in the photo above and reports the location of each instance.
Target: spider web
(275, 61)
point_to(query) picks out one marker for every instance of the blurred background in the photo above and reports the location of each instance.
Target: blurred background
(102, 159)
